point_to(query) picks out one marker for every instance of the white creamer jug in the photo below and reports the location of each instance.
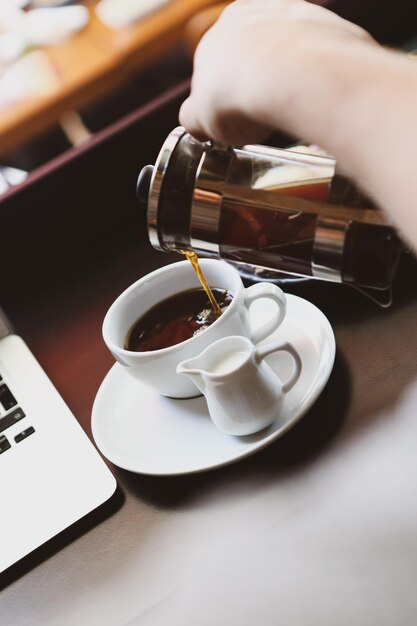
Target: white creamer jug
(243, 393)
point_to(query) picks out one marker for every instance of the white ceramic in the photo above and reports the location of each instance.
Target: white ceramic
(158, 367)
(144, 432)
(53, 26)
(243, 393)
(123, 13)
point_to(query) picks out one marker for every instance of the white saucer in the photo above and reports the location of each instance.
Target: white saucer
(144, 432)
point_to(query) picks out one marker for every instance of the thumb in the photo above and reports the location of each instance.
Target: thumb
(188, 119)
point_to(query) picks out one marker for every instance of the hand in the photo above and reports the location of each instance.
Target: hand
(258, 68)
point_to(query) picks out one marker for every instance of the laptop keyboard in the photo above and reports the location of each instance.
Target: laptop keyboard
(10, 414)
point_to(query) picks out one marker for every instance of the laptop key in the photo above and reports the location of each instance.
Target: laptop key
(4, 444)
(25, 433)
(11, 418)
(7, 398)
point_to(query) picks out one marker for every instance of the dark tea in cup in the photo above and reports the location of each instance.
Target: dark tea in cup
(175, 319)
(165, 286)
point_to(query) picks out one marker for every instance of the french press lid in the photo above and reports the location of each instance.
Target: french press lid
(167, 189)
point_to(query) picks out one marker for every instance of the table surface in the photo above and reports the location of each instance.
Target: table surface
(93, 63)
(320, 528)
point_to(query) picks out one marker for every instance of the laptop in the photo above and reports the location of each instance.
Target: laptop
(51, 475)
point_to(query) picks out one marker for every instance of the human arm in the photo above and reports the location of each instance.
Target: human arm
(287, 64)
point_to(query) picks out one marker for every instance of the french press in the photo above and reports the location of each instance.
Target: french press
(269, 211)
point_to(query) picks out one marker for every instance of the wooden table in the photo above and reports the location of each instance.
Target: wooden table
(93, 63)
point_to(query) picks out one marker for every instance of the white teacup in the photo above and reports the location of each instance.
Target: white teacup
(158, 367)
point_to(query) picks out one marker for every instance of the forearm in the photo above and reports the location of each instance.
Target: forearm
(361, 108)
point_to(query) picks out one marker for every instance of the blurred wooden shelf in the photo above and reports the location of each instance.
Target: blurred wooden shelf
(92, 64)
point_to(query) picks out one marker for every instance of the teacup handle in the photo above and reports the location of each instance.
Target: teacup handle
(264, 351)
(272, 292)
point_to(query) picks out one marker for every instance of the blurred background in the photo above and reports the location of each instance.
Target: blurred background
(70, 69)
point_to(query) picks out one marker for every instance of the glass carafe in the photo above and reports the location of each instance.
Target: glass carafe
(269, 211)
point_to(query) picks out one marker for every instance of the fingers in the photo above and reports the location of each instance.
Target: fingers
(257, 69)
(188, 119)
(227, 127)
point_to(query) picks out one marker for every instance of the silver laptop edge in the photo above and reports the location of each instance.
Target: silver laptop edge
(6, 327)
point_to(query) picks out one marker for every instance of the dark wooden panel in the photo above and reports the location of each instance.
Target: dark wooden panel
(81, 201)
